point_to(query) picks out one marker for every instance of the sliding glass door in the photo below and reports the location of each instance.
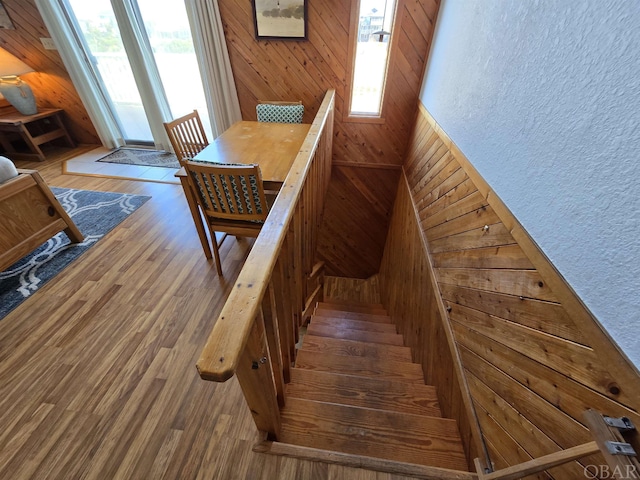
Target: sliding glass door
(101, 38)
(142, 57)
(169, 34)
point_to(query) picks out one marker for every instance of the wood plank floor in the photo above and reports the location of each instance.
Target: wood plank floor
(97, 369)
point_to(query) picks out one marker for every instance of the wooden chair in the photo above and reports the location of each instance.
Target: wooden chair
(231, 198)
(279, 112)
(187, 136)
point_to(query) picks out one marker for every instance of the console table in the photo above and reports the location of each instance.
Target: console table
(34, 130)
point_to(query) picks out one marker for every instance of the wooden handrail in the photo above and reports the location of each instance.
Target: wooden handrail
(282, 255)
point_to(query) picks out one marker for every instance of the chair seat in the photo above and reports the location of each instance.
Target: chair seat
(238, 224)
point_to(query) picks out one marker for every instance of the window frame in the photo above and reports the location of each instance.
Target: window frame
(354, 22)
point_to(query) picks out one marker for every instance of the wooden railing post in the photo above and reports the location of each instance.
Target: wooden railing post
(298, 267)
(285, 316)
(255, 375)
(272, 328)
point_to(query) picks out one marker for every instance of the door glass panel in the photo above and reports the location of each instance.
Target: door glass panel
(167, 27)
(98, 25)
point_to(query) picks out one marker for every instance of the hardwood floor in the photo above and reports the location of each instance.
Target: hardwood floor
(97, 369)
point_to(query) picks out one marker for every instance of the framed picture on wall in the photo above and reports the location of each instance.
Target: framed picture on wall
(5, 21)
(280, 19)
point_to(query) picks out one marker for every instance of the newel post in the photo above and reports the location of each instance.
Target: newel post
(255, 375)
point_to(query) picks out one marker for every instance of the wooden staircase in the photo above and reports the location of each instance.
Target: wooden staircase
(355, 390)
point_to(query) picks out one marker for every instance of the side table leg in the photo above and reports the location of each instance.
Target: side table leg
(58, 120)
(6, 144)
(26, 136)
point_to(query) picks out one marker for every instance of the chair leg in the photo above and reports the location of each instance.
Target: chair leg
(224, 236)
(215, 245)
(216, 252)
(197, 218)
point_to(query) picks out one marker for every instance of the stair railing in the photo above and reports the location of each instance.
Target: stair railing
(255, 335)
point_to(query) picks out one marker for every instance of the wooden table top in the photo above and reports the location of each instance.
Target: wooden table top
(273, 146)
(16, 118)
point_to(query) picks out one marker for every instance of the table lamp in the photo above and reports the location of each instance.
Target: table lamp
(16, 91)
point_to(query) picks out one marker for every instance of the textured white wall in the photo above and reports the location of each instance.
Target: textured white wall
(544, 98)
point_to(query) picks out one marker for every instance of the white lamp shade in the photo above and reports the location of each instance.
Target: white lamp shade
(10, 65)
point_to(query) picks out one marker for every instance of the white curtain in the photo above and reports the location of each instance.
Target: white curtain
(80, 72)
(215, 67)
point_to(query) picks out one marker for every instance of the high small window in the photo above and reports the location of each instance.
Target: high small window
(371, 57)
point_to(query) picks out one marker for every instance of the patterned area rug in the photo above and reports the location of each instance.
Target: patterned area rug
(95, 214)
(138, 156)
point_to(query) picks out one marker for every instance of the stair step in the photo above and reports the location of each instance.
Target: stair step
(357, 335)
(375, 309)
(345, 323)
(341, 301)
(362, 366)
(365, 392)
(365, 317)
(335, 346)
(361, 431)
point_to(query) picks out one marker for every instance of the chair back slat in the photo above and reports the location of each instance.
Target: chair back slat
(187, 136)
(232, 192)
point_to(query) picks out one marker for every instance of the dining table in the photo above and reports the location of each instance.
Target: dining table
(272, 146)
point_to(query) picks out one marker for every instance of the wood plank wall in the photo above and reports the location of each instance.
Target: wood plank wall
(534, 357)
(367, 156)
(50, 82)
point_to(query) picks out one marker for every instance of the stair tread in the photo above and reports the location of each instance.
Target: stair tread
(357, 335)
(362, 366)
(345, 323)
(342, 301)
(390, 435)
(375, 309)
(365, 392)
(337, 346)
(366, 317)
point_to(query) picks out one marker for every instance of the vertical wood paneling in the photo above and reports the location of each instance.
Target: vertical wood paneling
(292, 70)
(535, 358)
(50, 82)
